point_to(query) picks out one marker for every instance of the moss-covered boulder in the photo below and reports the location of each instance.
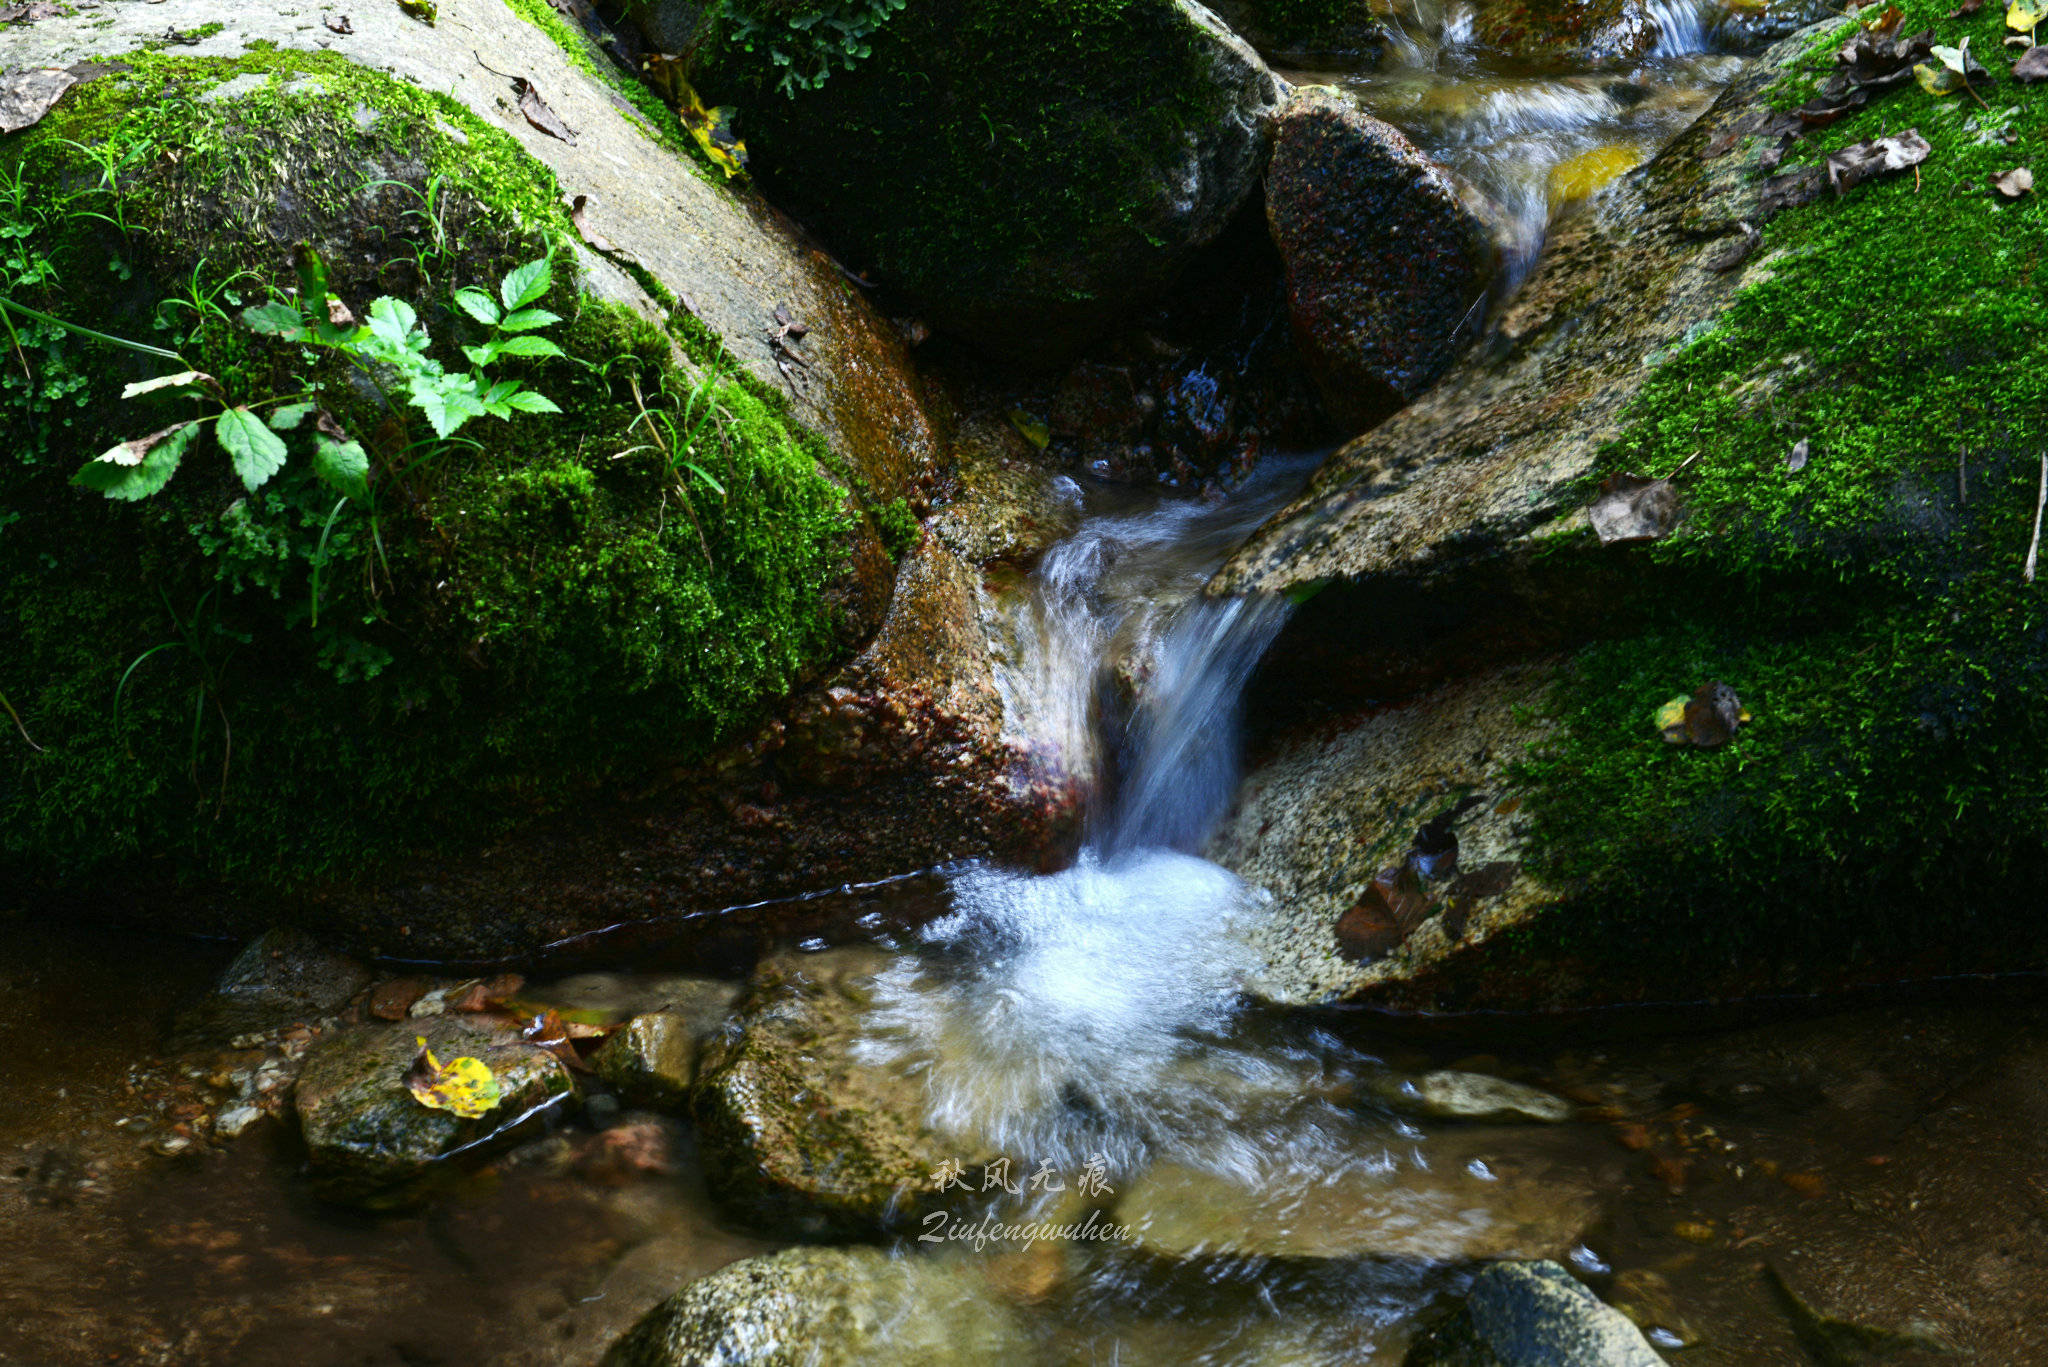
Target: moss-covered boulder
(1026, 172)
(1387, 257)
(371, 1142)
(1314, 34)
(830, 1307)
(527, 681)
(1834, 389)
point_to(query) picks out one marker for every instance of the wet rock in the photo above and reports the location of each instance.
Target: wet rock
(797, 1133)
(1446, 1095)
(369, 1141)
(1754, 27)
(1458, 1208)
(1651, 1305)
(829, 1307)
(1347, 34)
(280, 978)
(1126, 138)
(1568, 34)
(669, 26)
(1387, 258)
(1532, 1315)
(1327, 813)
(652, 1060)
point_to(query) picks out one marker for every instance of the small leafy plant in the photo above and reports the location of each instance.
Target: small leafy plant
(809, 39)
(391, 343)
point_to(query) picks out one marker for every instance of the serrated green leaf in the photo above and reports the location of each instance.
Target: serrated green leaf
(288, 418)
(273, 320)
(481, 355)
(392, 322)
(526, 346)
(526, 320)
(342, 465)
(137, 469)
(525, 284)
(479, 305)
(429, 399)
(527, 401)
(256, 452)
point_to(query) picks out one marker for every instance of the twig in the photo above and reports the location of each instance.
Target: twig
(18, 726)
(2040, 503)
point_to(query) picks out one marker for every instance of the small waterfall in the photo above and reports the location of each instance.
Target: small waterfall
(1681, 27)
(1068, 1014)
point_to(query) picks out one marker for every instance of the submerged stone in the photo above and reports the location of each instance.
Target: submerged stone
(1446, 1095)
(369, 1140)
(829, 1307)
(280, 978)
(1532, 1315)
(1447, 1212)
(1388, 259)
(652, 1060)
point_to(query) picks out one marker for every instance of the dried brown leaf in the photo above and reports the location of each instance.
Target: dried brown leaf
(538, 113)
(2014, 183)
(1860, 161)
(339, 24)
(1631, 508)
(579, 216)
(2032, 66)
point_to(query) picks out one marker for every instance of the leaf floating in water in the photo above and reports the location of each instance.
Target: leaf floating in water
(1860, 161)
(1631, 508)
(28, 93)
(1035, 430)
(1708, 719)
(713, 130)
(465, 1086)
(2014, 183)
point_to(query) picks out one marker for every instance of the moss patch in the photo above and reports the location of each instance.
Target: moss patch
(1893, 785)
(540, 612)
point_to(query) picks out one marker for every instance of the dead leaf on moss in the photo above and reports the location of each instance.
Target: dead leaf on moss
(1790, 190)
(2014, 183)
(1860, 161)
(2024, 16)
(2032, 66)
(464, 1086)
(1734, 254)
(1966, 9)
(1797, 460)
(1708, 719)
(1631, 508)
(28, 93)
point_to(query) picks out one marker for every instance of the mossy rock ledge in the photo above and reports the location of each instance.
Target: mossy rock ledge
(543, 693)
(1463, 799)
(1027, 171)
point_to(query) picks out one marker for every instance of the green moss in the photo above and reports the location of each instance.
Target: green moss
(898, 526)
(549, 611)
(982, 149)
(1873, 619)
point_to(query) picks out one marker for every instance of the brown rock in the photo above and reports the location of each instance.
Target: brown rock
(1386, 256)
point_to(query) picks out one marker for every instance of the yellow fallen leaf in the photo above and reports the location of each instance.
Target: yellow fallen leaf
(1578, 177)
(2022, 16)
(712, 128)
(1670, 719)
(464, 1086)
(1035, 431)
